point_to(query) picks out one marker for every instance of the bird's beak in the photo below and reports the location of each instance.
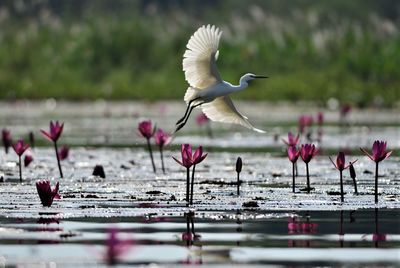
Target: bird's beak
(260, 76)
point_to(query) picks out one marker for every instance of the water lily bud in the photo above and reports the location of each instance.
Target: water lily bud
(31, 139)
(99, 171)
(239, 165)
(352, 171)
(27, 160)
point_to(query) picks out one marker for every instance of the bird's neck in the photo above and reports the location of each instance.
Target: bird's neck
(242, 85)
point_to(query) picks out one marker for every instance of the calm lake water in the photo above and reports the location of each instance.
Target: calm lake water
(266, 224)
(362, 237)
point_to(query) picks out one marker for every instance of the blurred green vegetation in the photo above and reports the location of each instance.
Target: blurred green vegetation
(120, 49)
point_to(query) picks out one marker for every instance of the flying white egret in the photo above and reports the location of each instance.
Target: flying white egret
(207, 89)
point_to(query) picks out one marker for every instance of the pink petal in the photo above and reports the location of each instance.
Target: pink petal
(46, 135)
(365, 152)
(333, 163)
(179, 162)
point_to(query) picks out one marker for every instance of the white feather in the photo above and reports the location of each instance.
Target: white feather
(223, 110)
(199, 58)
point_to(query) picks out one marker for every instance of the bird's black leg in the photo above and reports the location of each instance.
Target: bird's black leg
(181, 125)
(186, 112)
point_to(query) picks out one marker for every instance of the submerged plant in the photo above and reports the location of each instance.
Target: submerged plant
(162, 139)
(53, 135)
(293, 155)
(379, 154)
(307, 152)
(46, 194)
(147, 131)
(6, 139)
(340, 165)
(19, 148)
(238, 170)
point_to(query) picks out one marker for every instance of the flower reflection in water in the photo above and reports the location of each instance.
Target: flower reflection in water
(297, 226)
(47, 225)
(190, 237)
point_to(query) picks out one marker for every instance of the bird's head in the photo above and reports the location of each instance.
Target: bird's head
(249, 77)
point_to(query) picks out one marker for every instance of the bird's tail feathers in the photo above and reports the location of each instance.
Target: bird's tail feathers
(258, 130)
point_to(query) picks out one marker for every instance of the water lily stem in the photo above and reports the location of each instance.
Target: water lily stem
(238, 183)
(191, 185)
(308, 179)
(187, 185)
(341, 186)
(162, 160)
(151, 155)
(293, 176)
(355, 186)
(376, 183)
(58, 160)
(20, 169)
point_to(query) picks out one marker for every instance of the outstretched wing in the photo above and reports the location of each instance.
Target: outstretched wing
(200, 56)
(223, 110)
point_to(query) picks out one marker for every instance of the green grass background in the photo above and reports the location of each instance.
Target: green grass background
(122, 50)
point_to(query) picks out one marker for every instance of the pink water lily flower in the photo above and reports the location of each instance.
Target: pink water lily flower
(186, 154)
(292, 139)
(320, 118)
(55, 131)
(293, 153)
(20, 147)
(307, 152)
(162, 138)
(198, 156)
(189, 160)
(340, 163)
(379, 152)
(345, 109)
(305, 121)
(146, 129)
(46, 194)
